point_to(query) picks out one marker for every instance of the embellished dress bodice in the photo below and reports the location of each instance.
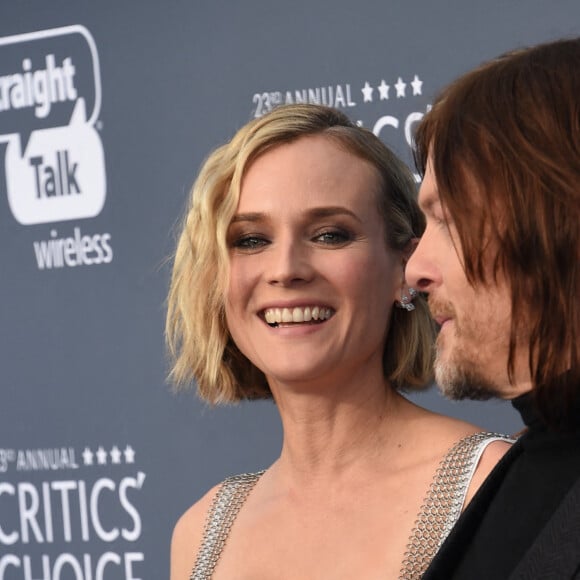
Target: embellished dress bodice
(439, 512)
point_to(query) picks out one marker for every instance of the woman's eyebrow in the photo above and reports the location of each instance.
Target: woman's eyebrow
(329, 211)
(315, 212)
(249, 217)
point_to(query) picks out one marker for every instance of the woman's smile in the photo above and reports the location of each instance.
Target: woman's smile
(297, 315)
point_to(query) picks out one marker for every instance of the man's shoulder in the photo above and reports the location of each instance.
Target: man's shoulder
(556, 551)
(481, 538)
(457, 543)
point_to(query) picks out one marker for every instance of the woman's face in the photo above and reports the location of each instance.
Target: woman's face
(312, 282)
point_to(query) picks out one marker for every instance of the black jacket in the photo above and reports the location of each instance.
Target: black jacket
(524, 522)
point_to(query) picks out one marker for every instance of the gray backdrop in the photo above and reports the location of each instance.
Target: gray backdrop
(107, 110)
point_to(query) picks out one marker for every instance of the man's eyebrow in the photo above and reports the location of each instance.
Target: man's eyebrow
(427, 202)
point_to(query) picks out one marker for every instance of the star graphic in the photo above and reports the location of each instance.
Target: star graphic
(384, 90)
(87, 456)
(367, 92)
(417, 83)
(115, 455)
(101, 456)
(400, 86)
(129, 454)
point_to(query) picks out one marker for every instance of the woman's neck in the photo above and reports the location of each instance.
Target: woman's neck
(333, 430)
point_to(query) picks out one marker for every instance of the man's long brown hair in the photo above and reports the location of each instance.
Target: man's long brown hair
(504, 141)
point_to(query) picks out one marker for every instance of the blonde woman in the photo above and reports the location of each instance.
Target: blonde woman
(289, 283)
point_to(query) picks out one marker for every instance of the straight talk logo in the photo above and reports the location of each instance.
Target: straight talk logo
(50, 101)
(39, 88)
(75, 250)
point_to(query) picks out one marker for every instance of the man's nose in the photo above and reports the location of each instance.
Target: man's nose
(421, 270)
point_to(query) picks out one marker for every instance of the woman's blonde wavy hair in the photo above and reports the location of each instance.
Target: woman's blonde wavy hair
(198, 339)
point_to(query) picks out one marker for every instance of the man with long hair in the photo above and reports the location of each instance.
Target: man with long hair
(500, 156)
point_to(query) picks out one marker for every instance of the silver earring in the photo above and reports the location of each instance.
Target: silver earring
(406, 302)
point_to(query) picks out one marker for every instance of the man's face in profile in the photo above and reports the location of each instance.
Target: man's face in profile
(473, 342)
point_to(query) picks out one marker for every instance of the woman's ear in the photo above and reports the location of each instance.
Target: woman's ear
(406, 253)
(407, 294)
(410, 248)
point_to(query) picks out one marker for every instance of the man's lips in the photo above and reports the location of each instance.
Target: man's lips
(442, 311)
(441, 319)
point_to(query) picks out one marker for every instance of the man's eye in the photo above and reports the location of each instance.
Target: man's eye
(442, 221)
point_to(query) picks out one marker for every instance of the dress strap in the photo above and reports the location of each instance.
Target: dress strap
(225, 506)
(444, 501)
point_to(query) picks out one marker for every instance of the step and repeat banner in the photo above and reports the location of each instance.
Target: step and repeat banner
(107, 110)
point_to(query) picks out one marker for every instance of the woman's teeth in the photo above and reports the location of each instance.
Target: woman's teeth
(298, 314)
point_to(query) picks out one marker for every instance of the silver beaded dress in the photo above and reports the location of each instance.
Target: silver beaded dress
(439, 511)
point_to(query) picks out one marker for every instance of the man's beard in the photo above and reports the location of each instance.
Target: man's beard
(460, 376)
(459, 380)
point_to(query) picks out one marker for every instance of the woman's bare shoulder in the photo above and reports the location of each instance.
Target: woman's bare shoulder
(451, 429)
(492, 452)
(188, 534)
(441, 432)
(490, 457)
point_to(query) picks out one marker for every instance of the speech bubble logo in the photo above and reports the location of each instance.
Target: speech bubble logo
(42, 74)
(60, 177)
(55, 167)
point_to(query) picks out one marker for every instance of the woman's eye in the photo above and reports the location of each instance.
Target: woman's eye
(249, 243)
(333, 237)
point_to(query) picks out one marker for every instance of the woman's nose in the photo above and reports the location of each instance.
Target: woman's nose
(290, 263)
